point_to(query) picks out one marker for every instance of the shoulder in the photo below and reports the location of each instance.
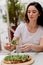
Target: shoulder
(41, 28)
(21, 25)
(41, 31)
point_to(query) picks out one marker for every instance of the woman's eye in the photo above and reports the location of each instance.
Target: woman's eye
(34, 12)
(28, 12)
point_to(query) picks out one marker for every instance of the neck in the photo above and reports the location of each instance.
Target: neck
(32, 24)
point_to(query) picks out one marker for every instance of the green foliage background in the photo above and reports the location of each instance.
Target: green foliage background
(16, 10)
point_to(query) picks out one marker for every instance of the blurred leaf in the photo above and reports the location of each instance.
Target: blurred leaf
(15, 11)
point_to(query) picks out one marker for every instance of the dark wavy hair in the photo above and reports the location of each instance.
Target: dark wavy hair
(40, 9)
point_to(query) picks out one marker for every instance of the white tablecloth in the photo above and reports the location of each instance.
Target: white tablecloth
(38, 57)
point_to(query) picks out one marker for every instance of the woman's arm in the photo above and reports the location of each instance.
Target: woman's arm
(37, 48)
(28, 47)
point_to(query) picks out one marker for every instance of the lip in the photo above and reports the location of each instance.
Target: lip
(31, 17)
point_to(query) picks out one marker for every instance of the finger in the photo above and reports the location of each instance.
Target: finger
(24, 49)
(22, 46)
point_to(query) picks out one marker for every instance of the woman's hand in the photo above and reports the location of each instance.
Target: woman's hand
(28, 47)
(25, 47)
(9, 46)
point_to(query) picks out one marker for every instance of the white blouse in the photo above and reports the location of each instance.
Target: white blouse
(28, 37)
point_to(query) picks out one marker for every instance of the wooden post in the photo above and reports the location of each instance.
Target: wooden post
(8, 22)
(0, 43)
(0, 27)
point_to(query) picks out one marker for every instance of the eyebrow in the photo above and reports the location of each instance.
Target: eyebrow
(32, 10)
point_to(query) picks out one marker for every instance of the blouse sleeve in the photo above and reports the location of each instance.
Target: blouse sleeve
(18, 31)
(42, 33)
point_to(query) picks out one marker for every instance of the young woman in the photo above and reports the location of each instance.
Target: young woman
(31, 32)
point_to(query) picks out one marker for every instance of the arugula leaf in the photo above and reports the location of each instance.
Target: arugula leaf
(16, 57)
(14, 41)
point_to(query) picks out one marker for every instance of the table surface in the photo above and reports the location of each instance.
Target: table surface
(38, 57)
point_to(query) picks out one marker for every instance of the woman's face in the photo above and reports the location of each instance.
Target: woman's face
(32, 13)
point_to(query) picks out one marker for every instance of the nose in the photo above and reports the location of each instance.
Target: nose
(31, 13)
